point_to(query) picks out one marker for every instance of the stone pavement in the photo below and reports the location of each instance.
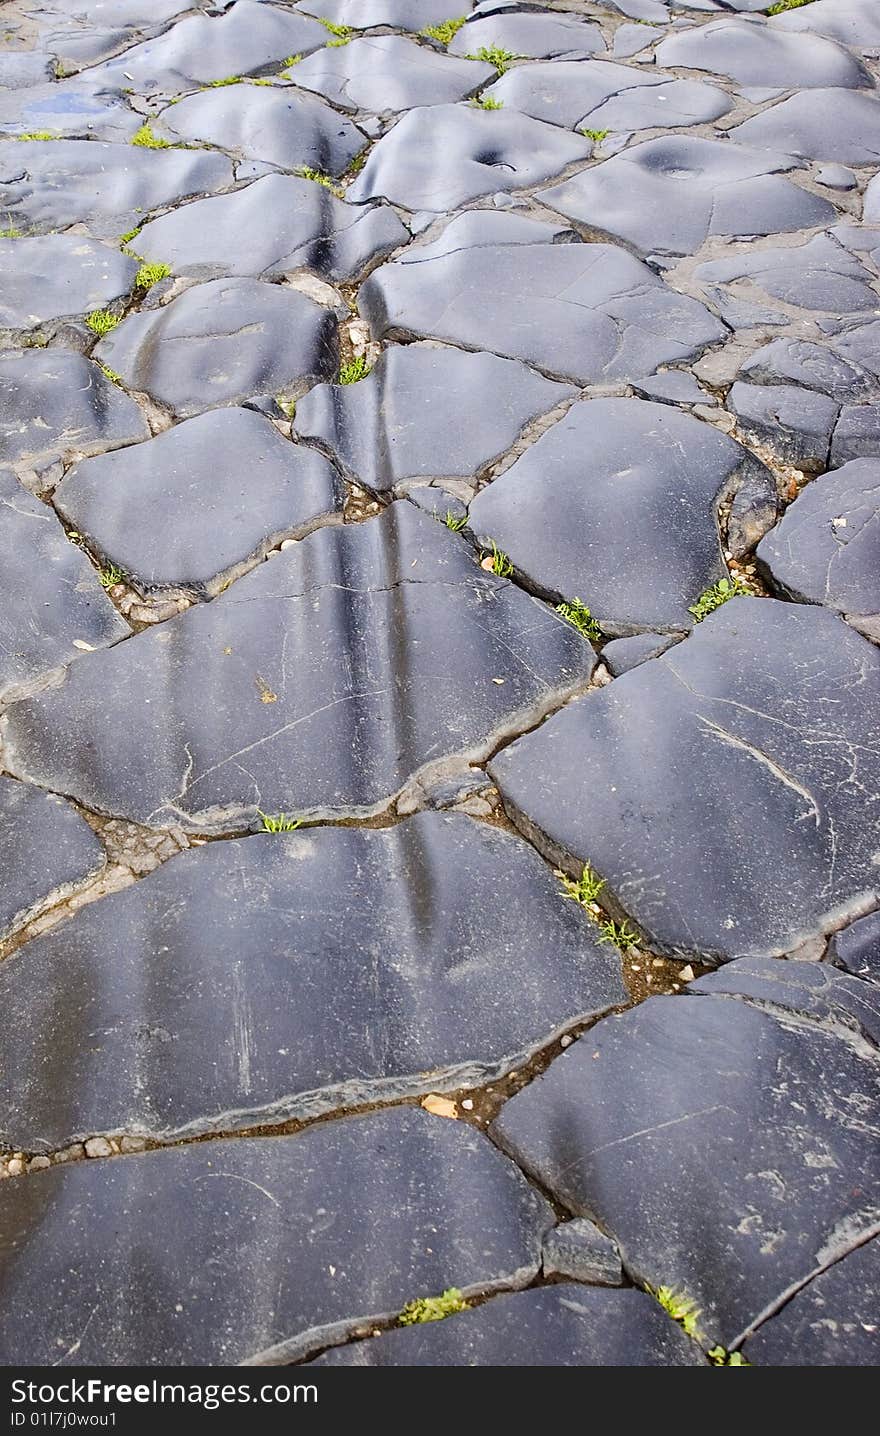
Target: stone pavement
(439, 682)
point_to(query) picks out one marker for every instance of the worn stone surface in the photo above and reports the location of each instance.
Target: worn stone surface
(300, 1206)
(530, 33)
(818, 275)
(853, 22)
(47, 850)
(221, 342)
(171, 517)
(831, 1322)
(73, 109)
(622, 654)
(54, 276)
(856, 434)
(399, 14)
(757, 56)
(824, 124)
(52, 606)
(578, 1249)
(645, 505)
(224, 994)
(857, 948)
(745, 757)
(55, 405)
(826, 547)
(562, 1325)
(426, 413)
(794, 423)
(670, 1125)
(605, 96)
(384, 74)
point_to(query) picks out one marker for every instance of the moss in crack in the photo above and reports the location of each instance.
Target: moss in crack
(341, 33)
(486, 102)
(111, 575)
(433, 1308)
(278, 822)
(101, 321)
(111, 374)
(354, 370)
(10, 232)
(129, 235)
(318, 177)
(782, 5)
(150, 274)
(445, 32)
(145, 139)
(719, 1357)
(37, 135)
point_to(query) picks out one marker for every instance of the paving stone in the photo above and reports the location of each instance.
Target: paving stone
(442, 156)
(311, 712)
(872, 204)
(857, 948)
(193, 508)
(831, 1322)
(794, 423)
(633, 39)
(280, 125)
(213, 1218)
(836, 177)
(852, 22)
(758, 55)
(674, 387)
(74, 108)
(561, 1325)
(820, 367)
(607, 96)
(732, 1192)
(48, 850)
(645, 505)
(222, 994)
(108, 188)
(55, 275)
(250, 39)
(578, 1249)
(817, 275)
(754, 795)
(580, 312)
(622, 654)
(668, 196)
(813, 991)
(19, 71)
(56, 406)
(529, 34)
(398, 14)
(273, 227)
(426, 413)
(822, 124)
(50, 598)
(857, 434)
(219, 343)
(826, 547)
(385, 74)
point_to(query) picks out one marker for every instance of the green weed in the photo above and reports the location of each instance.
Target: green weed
(781, 5)
(494, 55)
(433, 1308)
(101, 321)
(585, 890)
(578, 615)
(111, 575)
(279, 822)
(486, 102)
(145, 138)
(712, 598)
(354, 370)
(618, 933)
(680, 1307)
(306, 172)
(445, 32)
(719, 1357)
(111, 374)
(500, 563)
(342, 33)
(150, 274)
(597, 136)
(455, 522)
(37, 135)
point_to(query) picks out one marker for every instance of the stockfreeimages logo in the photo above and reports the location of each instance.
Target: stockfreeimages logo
(94, 1392)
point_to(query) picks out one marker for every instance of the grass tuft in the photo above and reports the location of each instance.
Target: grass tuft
(279, 822)
(587, 888)
(681, 1308)
(289, 63)
(317, 177)
(354, 370)
(486, 102)
(37, 135)
(494, 55)
(455, 522)
(130, 235)
(111, 575)
(597, 136)
(150, 274)
(111, 374)
(579, 616)
(342, 33)
(712, 598)
(433, 1308)
(146, 140)
(499, 564)
(618, 933)
(101, 321)
(445, 32)
(10, 232)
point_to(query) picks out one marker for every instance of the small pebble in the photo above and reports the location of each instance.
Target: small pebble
(468, 1105)
(566, 1041)
(37, 1164)
(15, 1167)
(98, 1147)
(686, 973)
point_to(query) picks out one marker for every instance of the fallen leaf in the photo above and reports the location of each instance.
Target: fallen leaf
(439, 1106)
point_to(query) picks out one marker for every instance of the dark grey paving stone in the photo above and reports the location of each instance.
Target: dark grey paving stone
(55, 405)
(212, 1218)
(442, 156)
(832, 1322)
(736, 766)
(319, 708)
(861, 238)
(221, 342)
(758, 55)
(857, 948)
(426, 413)
(398, 14)
(561, 1325)
(812, 991)
(820, 367)
(53, 276)
(817, 275)
(221, 994)
(836, 177)
(385, 74)
(108, 188)
(249, 39)
(578, 1249)
(668, 196)
(21, 70)
(579, 312)
(872, 205)
(50, 598)
(280, 125)
(861, 347)
(622, 654)
(633, 39)
(646, 504)
(857, 434)
(796, 424)
(530, 34)
(196, 506)
(270, 228)
(670, 1125)
(821, 124)
(73, 108)
(606, 96)
(852, 22)
(826, 547)
(674, 387)
(47, 850)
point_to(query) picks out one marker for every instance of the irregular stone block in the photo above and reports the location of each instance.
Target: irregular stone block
(198, 505)
(213, 1218)
(668, 196)
(857, 948)
(810, 990)
(822, 124)
(831, 1322)
(47, 850)
(646, 504)
(277, 124)
(51, 604)
(747, 1186)
(529, 34)
(440, 157)
(220, 343)
(70, 109)
(622, 654)
(55, 406)
(273, 227)
(57, 275)
(856, 434)
(768, 712)
(579, 1250)
(581, 312)
(822, 367)
(826, 547)
(759, 55)
(220, 997)
(425, 412)
(398, 14)
(852, 22)
(818, 275)
(19, 71)
(607, 96)
(562, 1325)
(796, 424)
(313, 710)
(385, 74)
